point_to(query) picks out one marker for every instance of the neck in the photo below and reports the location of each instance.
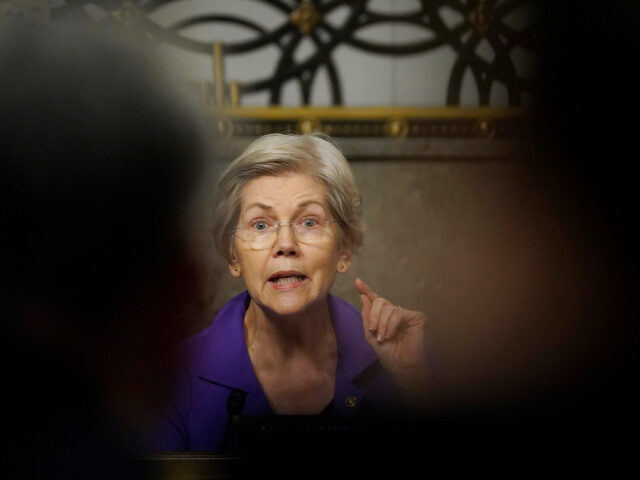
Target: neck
(309, 332)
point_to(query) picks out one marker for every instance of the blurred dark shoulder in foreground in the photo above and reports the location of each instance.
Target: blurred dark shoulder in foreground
(100, 153)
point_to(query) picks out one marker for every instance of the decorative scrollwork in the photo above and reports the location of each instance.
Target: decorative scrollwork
(306, 17)
(479, 22)
(480, 17)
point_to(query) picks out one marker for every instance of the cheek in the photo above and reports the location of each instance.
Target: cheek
(240, 255)
(326, 260)
(252, 264)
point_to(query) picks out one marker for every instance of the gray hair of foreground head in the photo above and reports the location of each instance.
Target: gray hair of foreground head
(277, 154)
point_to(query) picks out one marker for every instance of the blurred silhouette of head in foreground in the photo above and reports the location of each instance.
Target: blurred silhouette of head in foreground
(100, 153)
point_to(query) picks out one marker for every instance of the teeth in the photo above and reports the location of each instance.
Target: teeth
(283, 280)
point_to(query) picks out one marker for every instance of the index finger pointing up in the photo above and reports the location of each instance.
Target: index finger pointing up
(364, 289)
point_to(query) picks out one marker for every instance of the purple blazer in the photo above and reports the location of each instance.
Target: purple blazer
(218, 379)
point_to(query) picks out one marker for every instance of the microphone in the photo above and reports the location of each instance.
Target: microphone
(235, 401)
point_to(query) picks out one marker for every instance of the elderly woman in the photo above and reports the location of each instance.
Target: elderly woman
(288, 220)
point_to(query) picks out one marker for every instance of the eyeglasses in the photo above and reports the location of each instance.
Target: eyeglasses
(263, 234)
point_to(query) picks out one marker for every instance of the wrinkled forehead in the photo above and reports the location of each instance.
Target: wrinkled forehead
(283, 194)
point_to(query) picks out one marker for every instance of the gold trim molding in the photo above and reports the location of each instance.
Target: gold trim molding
(367, 122)
(383, 132)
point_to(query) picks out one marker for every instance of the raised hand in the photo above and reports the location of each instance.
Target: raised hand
(397, 335)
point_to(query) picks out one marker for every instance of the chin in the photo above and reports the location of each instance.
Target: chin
(291, 304)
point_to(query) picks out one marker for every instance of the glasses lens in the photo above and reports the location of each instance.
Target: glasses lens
(257, 238)
(306, 231)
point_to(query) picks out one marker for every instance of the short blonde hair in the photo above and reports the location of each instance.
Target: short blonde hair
(275, 154)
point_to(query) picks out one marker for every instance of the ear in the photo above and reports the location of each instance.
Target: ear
(235, 270)
(344, 261)
(234, 267)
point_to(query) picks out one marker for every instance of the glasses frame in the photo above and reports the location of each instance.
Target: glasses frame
(279, 225)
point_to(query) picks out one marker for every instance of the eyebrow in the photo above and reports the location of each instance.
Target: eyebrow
(298, 207)
(259, 205)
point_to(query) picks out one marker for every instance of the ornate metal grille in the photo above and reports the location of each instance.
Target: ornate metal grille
(449, 129)
(477, 21)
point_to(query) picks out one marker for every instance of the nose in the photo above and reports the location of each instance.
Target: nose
(286, 242)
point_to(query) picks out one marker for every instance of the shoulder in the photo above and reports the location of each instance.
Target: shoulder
(193, 349)
(342, 310)
(354, 352)
(347, 322)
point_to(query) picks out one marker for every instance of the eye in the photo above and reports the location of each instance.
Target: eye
(309, 222)
(259, 226)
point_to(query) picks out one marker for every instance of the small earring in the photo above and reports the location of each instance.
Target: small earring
(341, 267)
(235, 268)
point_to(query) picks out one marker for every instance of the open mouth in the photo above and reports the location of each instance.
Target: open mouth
(286, 278)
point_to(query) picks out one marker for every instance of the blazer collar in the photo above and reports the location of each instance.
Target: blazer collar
(226, 359)
(354, 353)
